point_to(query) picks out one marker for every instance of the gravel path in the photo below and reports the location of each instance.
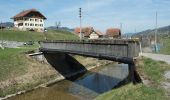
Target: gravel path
(158, 57)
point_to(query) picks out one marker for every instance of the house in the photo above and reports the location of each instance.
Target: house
(96, 34)
(113, 33)
(31, 20)
(88, 32)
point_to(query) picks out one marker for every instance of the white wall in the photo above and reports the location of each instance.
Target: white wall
(94, 36)
(37, 23)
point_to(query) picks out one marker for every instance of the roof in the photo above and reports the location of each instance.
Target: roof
(26, 12)
(113, 31)
(86, 30)
(98, 32)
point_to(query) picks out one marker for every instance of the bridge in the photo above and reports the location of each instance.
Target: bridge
(119, 50)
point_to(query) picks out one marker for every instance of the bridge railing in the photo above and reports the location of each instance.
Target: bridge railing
(119, 47)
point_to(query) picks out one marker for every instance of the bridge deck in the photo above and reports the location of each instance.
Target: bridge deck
(117, 48)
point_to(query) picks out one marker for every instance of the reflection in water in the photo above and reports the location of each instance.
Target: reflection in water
(87, 87)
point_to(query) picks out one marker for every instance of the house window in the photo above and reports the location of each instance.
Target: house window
(36, 20)
(26, 19)
(31, 19)
(31, 24)
(36, 24)
(20, 24)
(41, 20)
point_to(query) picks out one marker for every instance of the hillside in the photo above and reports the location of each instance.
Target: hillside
(36, 36)
(161, 31)
(7, 24)
(60, 28)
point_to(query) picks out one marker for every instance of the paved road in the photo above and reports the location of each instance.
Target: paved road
(158, 57)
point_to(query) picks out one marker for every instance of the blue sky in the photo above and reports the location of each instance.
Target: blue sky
(101, 14)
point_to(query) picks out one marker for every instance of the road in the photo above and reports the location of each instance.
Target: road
(158, 57)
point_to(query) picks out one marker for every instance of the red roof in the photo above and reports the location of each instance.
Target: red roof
(113, 32)
(86, 30)
(26, 12)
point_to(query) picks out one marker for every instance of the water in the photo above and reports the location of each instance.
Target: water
(86, 87)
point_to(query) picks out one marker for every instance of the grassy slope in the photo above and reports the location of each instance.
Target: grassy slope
(154, 72)
(35, 36)
(14, 63)
(166, 46)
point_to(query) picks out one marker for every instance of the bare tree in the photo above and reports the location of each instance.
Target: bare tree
(58, 24)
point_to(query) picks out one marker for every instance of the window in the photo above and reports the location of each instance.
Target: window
(36, 20)
(31, 24)
(20, 24)
(41, 20)
(31, 19)
(26, 19)
(36, 24)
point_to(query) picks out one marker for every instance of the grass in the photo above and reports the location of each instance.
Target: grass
(36, 36)
(154, 72)
(13, 61)
(166, 46)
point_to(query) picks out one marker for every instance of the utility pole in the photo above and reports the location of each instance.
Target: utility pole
(121, 28)
(1, 44)
(156, 30)
(80, 16)
(1, 25)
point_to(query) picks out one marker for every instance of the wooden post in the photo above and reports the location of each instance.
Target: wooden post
(131, 72)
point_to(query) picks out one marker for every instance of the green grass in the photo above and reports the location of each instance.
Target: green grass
(131, 92)
(35, 36)
(154, 72)
(13, 62)
(166, 46)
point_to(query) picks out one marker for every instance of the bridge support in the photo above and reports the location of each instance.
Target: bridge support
(133, 74)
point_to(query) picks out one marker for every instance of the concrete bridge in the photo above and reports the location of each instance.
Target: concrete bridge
(120, 50)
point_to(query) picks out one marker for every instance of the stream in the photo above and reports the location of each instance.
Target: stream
(86, 87)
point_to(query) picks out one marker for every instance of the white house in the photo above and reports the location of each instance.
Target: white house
(29, 20)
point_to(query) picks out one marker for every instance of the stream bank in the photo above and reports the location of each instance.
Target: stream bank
(40, 74)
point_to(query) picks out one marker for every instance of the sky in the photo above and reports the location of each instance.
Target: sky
(134, 15)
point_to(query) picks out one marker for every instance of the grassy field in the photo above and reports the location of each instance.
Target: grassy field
(19, 72)
(166, 46)
(151, 70)
(36, 36)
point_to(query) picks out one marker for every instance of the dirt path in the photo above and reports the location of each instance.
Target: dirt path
(158, 57)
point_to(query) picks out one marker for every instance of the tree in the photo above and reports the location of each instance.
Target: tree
(58, 24)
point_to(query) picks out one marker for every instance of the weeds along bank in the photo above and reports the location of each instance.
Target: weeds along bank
(152, 88)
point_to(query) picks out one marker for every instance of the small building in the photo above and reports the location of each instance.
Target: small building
(86, 31)
(96, 35)
(31, 20)
(89, 33)
(113, 33)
